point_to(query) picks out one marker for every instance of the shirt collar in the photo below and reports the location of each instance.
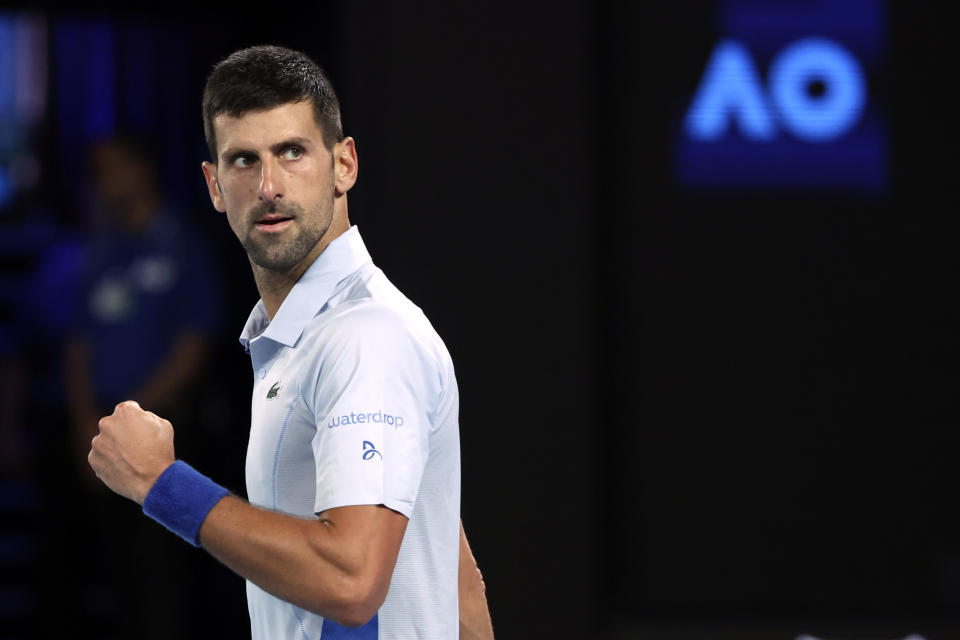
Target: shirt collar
(340, 258)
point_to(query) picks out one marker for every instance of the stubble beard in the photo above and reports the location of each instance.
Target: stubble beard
(281, 254)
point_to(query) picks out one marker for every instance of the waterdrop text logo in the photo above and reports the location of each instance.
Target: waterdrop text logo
(784, 99)
(378, 417)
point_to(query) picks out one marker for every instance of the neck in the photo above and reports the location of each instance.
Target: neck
(274, 286)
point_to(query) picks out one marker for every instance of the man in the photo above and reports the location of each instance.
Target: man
(353, 466)
(145, 310)
(148, 305)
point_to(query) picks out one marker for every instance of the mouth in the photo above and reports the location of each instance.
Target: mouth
(273, 223)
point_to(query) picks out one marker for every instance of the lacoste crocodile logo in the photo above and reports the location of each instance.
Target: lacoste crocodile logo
(274, 390)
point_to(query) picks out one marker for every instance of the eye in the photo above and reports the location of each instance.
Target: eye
(243, 160)
(292, 153)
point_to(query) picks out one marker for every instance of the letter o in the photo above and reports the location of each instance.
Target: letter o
(388, 419)
(817, 118)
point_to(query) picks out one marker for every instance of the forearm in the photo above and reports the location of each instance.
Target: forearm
(338, 565)
(475, 623)
(303, 561)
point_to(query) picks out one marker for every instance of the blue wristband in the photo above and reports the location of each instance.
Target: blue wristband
(181, 498)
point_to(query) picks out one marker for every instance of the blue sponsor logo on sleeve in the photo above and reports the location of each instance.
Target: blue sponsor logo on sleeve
(369, 450)
(353, 417)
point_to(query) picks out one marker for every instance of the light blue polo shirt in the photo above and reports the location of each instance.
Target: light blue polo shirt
(355, 402)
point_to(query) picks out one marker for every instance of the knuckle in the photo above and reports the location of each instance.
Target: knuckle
(127, 405)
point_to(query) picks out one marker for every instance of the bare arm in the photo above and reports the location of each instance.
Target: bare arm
(338, 565)
(475, 623)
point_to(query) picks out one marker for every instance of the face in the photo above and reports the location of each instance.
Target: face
(276, 182)
(120, 178)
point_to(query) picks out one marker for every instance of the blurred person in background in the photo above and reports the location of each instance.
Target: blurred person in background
(147, 309)
(148, 301)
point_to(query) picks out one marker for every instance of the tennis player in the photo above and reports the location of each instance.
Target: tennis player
(352, 529)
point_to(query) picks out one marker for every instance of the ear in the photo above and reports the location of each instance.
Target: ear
(213, 186)
(345, 165)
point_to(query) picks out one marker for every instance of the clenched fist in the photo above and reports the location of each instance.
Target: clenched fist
(132, 449)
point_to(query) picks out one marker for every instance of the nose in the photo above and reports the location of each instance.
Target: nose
(271, 182)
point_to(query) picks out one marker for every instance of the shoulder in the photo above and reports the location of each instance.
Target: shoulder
(371, 336)
(375, 327)
(369, 323)
(371, 308)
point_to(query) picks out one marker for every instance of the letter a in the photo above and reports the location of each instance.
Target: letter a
(730, 88)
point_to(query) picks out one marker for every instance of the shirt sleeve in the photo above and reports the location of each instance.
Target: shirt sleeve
(376, 386)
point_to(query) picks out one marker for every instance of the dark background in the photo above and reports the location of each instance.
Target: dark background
(684, 413)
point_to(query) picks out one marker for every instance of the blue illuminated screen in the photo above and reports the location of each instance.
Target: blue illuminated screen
(785, 100)
(23, 99)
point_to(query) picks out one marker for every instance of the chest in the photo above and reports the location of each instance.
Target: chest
(136, 288)
(280, 467)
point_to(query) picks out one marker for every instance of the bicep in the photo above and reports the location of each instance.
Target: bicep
(469, 573)
(474, 614)
(369, 537)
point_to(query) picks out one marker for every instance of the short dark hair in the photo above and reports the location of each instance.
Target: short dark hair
(264, 77)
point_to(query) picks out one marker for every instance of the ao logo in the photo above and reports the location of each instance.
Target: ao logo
(816, 91)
